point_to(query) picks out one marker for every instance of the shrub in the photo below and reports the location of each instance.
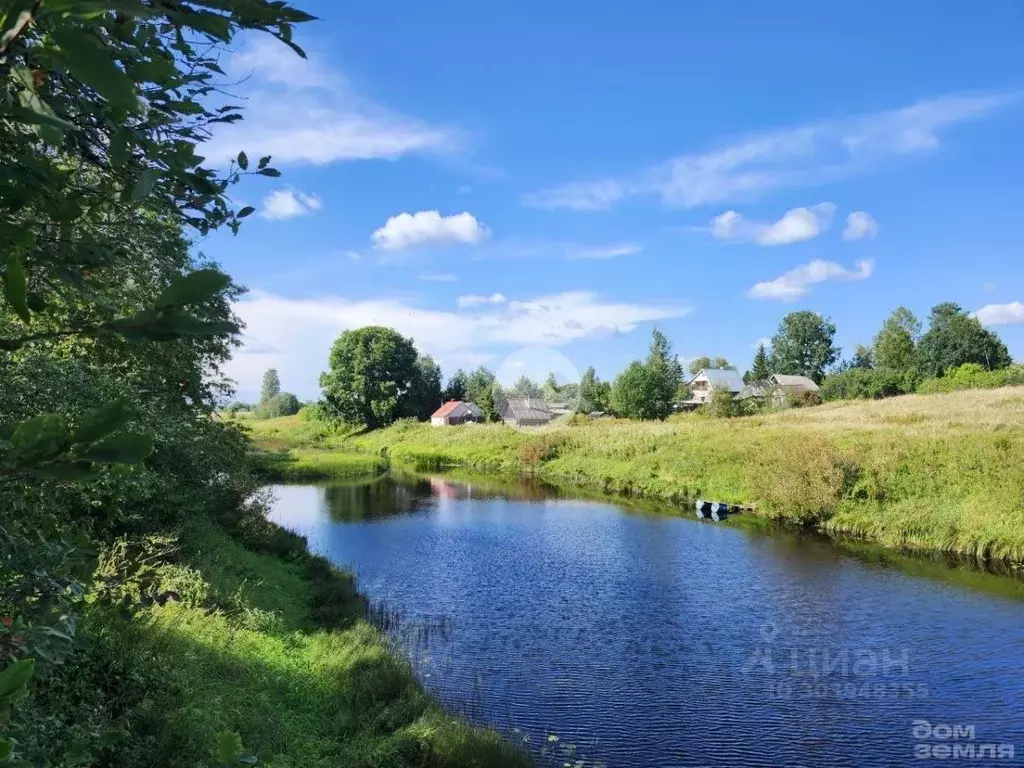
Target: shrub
(974, 376)
(313, 412)
(539, 449)
(868, 384)
(721, 404)
(281, 404)
(801, 479)
(803, 399)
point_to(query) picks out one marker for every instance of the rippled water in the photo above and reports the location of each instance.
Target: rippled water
(595, 634)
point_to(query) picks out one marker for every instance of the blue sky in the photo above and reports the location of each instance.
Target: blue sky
(560, 177)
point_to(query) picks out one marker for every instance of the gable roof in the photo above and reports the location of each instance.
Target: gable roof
(526, 408)
(758, 388)
(799, 383)
(725, 378)
(451, 408)
(475, 409)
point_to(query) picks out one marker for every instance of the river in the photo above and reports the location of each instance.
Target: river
(596, 634)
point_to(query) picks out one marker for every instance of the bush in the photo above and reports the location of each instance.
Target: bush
(974, 376)
(314, 412)
(803, 480)
(803, 399)
(721, 404)
(868, 384)
(540, 449)
(281, 404)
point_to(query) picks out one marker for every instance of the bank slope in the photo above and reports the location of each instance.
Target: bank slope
(936, 472)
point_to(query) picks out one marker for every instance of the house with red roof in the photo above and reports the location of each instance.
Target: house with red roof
(456, 412)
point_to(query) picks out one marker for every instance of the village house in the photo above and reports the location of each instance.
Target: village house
(456, 412)
(709, 379)
(525, 412)
(778, 387)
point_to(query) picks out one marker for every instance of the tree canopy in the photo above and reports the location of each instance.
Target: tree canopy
(761, 368)
(698, 364)
(375, 376)
(954, 338)
(648, 390)
(896, 342)
(271, 385)
(804, 345)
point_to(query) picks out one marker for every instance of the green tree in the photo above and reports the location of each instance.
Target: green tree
(426, 388)
(896, 343)
(698, 364)
(666, 374)
(526, 387)
(550, 390)
(595, 395)
(954, 338)
(281, 404)
(457, 387)
(761, 368)
(863, 357)
(271, 385)
(804, 345)
(479, 387)
(373, 378)
(636, 393)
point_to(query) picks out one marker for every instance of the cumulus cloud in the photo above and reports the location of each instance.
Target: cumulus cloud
(796, 225)
(800, 156)
(300, 111)
(295, 334)
(283, 204)
(605, 251)
(1001, 314)
(409, 230)
(860, 225)
(474, 301)
(797, 282)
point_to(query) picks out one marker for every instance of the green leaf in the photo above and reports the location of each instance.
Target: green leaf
(146, 182)
(247, 211)
(264, 161)
(16, 677)
(243, 161)
(16, 287)
(39, 439)
(269, 172)
(93, 65)
(125, 448)
(194, 288)
(229, 745)
(120, 147)
(6, 749)
(102, 421)
(113, 736)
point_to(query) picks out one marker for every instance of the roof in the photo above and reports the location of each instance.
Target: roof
(725, 378)
(449, 409)
(475, 409)
(758, 388)
(526, 409)
(799, 383)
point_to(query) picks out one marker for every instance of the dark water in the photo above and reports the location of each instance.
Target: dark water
(595, 634)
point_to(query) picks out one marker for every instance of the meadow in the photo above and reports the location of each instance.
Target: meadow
(940, 472)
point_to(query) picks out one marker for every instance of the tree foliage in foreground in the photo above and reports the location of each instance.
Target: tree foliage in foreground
(112, 335)
(804, 345)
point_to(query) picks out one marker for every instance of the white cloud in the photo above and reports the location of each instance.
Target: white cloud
(578, 196)
(605, 251)
(795, 225)
(475, 301)
(860, 225)
(439, 277)
(295, 335)
(800, 156)
(428, 227)
(283, 204)
(797, 282)
(299, 111)
(1001, 314)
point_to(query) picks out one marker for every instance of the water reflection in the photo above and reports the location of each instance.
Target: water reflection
(639, 639)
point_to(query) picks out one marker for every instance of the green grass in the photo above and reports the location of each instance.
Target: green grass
(309, 464)
(266, 642)
(933, 472)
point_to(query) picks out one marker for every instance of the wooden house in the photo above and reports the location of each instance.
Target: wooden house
(525, 412)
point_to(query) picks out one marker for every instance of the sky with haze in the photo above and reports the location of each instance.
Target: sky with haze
(564, 176)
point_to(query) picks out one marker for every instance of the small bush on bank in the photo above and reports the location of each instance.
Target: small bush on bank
(973, 376)
(721, 404)
(543, 448)
(802, 482)
(803, 399)
(868, 384)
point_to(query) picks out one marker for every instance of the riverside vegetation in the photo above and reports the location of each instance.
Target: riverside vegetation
(149, 613)
(935, 472)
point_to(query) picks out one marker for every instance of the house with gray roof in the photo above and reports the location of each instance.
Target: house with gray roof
(708, 380)
(525, 412)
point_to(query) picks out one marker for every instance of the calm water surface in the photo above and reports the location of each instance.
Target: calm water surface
(645, 640)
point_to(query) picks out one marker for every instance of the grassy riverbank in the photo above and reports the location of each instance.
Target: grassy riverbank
(266, 641)
(935, 472)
